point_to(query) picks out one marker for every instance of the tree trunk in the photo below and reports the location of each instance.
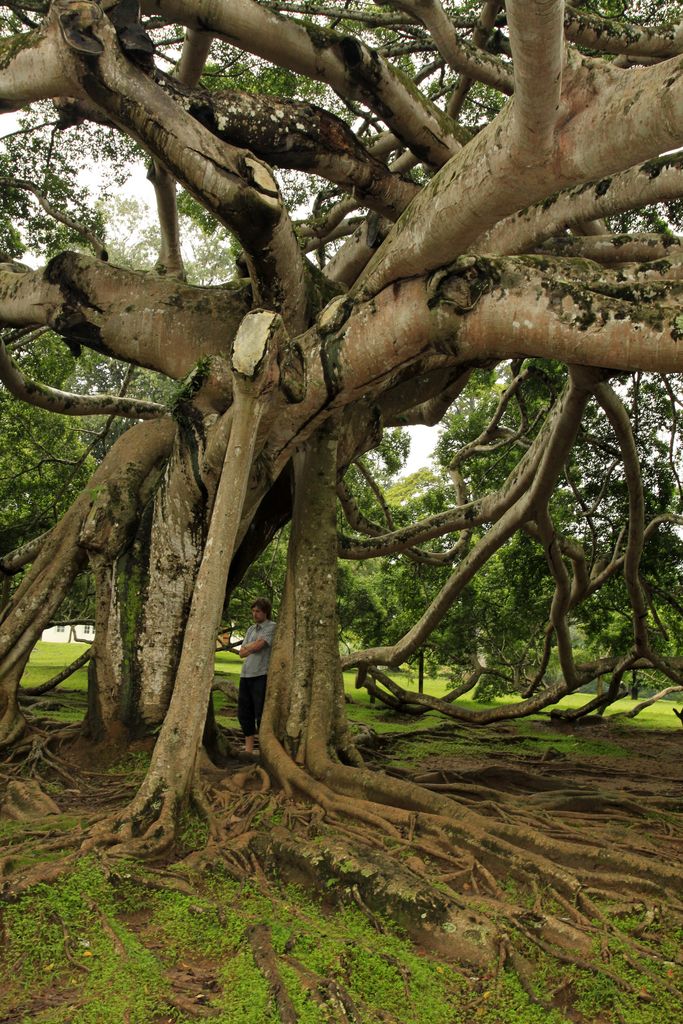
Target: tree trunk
(305, 716)
(149, 824)
(99, 519)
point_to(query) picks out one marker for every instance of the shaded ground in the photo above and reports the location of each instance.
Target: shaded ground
(283, 926)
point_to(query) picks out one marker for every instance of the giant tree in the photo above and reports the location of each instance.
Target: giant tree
(463, 162)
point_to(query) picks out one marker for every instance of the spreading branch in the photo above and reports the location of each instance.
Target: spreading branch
(68, 404)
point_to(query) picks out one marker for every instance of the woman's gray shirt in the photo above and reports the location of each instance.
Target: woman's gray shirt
(257, 664)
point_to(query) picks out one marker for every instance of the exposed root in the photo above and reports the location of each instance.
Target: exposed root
(146, 833)
(12, 726)
(334, 1000)
(475, 886)
(42, 873)
(25, 801)
(266, 961)
(67, 941)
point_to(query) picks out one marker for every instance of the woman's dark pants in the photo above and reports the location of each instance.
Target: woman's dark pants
(252, 696)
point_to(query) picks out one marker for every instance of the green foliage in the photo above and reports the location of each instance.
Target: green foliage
(43, 460)
(54, 161)
(133, 239)
(251, 74)
(246, 997)
(193, 831)
(199, 926)
(265, 577)
(47, 659)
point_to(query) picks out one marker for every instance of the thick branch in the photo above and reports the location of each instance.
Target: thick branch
(476, 311)
(346, 64)
(361, 524)
(142, 318)
(552, 446)
(33, 66)
(58, 215)
(656, 181)
(53, 683)
(615, 249)
(486, 181)
(15, 560)
(53, 400)
(238, 189)
(537, 41)
(464, 58)
(648, 703)
(611, 36)
(301, 136)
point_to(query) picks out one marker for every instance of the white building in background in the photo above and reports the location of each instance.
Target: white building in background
(77, 633)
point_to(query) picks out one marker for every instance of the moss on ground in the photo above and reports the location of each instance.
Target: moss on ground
(92, 949)
(97, 949)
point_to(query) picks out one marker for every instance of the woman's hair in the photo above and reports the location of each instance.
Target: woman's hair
(263, 604)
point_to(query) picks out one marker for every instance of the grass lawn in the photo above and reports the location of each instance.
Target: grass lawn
(49, 658)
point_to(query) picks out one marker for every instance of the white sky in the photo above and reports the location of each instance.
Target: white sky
(8, 122)
(422, 443)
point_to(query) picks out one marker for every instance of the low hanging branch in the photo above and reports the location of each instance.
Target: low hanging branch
(51, 684)
(649, 702)
(69, 404)
(15, 560)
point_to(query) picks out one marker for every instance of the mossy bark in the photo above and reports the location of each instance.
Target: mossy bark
(305, 713)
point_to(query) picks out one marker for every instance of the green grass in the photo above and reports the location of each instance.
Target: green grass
(85, 941)
(49, 658)
(67, 936)
(105, 948)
